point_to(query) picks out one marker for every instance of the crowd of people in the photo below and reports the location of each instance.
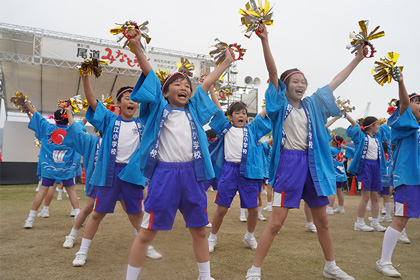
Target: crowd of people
(163, 161)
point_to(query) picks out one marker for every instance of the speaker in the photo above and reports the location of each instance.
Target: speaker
(257, 82)
(248, 80)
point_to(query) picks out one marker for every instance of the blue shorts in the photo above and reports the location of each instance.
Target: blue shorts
(407, 201)
(385, 191)
(50, 182)
(294, 182)
(212, 182)
(339, 185)
(107, 197)
(174, 186)
(230, 182)
(369, 179)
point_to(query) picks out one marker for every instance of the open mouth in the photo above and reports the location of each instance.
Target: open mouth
(130, 108)
(299, 91)
(182, 95)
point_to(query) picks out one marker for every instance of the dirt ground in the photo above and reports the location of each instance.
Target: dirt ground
(38, 254)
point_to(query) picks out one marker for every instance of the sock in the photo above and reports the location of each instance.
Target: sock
(330, 264)
(249, 235)
(259, 210)
(388, 209)
(32, 214)
(60, 192)
(204, 270)
(329, 207)
(309, 223)
(213, 236)
(390, 240)
(46, 208)
(255, 269)
(73, 233)
(360, 220)
(132, 272)
(242, 211)
(84, 247)
(269, 203)
(76, 212)
(375, 221)
(340, 207)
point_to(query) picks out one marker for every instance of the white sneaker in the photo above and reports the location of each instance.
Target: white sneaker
(28, 223)
(242, 218)
(336, 273)
(310, 227)
(72, 213)
(403, 238)
(252, 242)
(152, 253)
(44, 213)
(268, 208)
(253, 275)
(209, 225)
(80, 259)
(330, 211)
(378, 227)
(362, 227)
(387, 219)
(339, 211)
(59, 196)
(212, 244)
(387, 269)
(262, 218)
(69, 243)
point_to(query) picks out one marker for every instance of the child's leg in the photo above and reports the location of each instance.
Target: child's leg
(391, 237)
(139, 248)
(374, 204)
(74, 200)
(218, 218)
(269, 190)
(86, 210)
(200, 244)
(361, 209)
(43, 190)
(135, 220)
(331, 198)
(340, 197)
(270, 232)
(252, 219)
(92, 225)
(324, 235)
(50, 195)
(310, 226)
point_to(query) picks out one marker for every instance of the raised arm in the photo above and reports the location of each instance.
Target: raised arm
(90, 95)
(214, 98)
(343, 75)
(136, 48)
(69, 112)
(29, 110)
(214, 76)
(331, 121)
(268, 56)
(351, 120)
(403, 94)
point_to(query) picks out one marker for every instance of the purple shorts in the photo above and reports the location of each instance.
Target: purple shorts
(369, 178)
(407, 201)
(212, 182)
(339, 185)
(294, 182)
(230, 182)
(385, 191)
(107, 197)
(174, 186)
(50, 182)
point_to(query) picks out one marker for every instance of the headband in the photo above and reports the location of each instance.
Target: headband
(119, 94)
(414, 96)
(336, 141)
(236, 102)
(294, 72)
(171, 77)
(364, 127)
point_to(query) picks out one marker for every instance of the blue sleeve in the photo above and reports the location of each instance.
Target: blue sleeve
(402, 125)
(325, 102)
(100, 118)
(77, 139)
(354, 133)
(384, 133)
(203, 106)
(260, 126)
(349, 152)
(275, 100)
(39, 124)
(219, 122)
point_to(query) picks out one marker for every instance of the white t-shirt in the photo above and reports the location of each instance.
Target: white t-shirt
(176, 139)
(296, 128)
(372, 152)
(128, 141)
(233, 144)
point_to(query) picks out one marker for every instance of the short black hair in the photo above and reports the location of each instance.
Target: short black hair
(169, 80)
(58, 117)
(236, 106)
(121, 90)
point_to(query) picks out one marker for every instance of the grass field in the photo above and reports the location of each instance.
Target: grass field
(38, 254)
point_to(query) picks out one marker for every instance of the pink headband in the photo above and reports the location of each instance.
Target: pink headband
(294, 72)
(414, 96)
(364, 127)
(236, 102)
(171, 77)
(123, 92)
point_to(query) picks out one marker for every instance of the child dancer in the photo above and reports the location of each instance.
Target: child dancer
(57, 162)
(237, 161)
(301, 165)
(267, 156)
(405, 139)
(117, 169)
(174, 156)
(368, 165)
